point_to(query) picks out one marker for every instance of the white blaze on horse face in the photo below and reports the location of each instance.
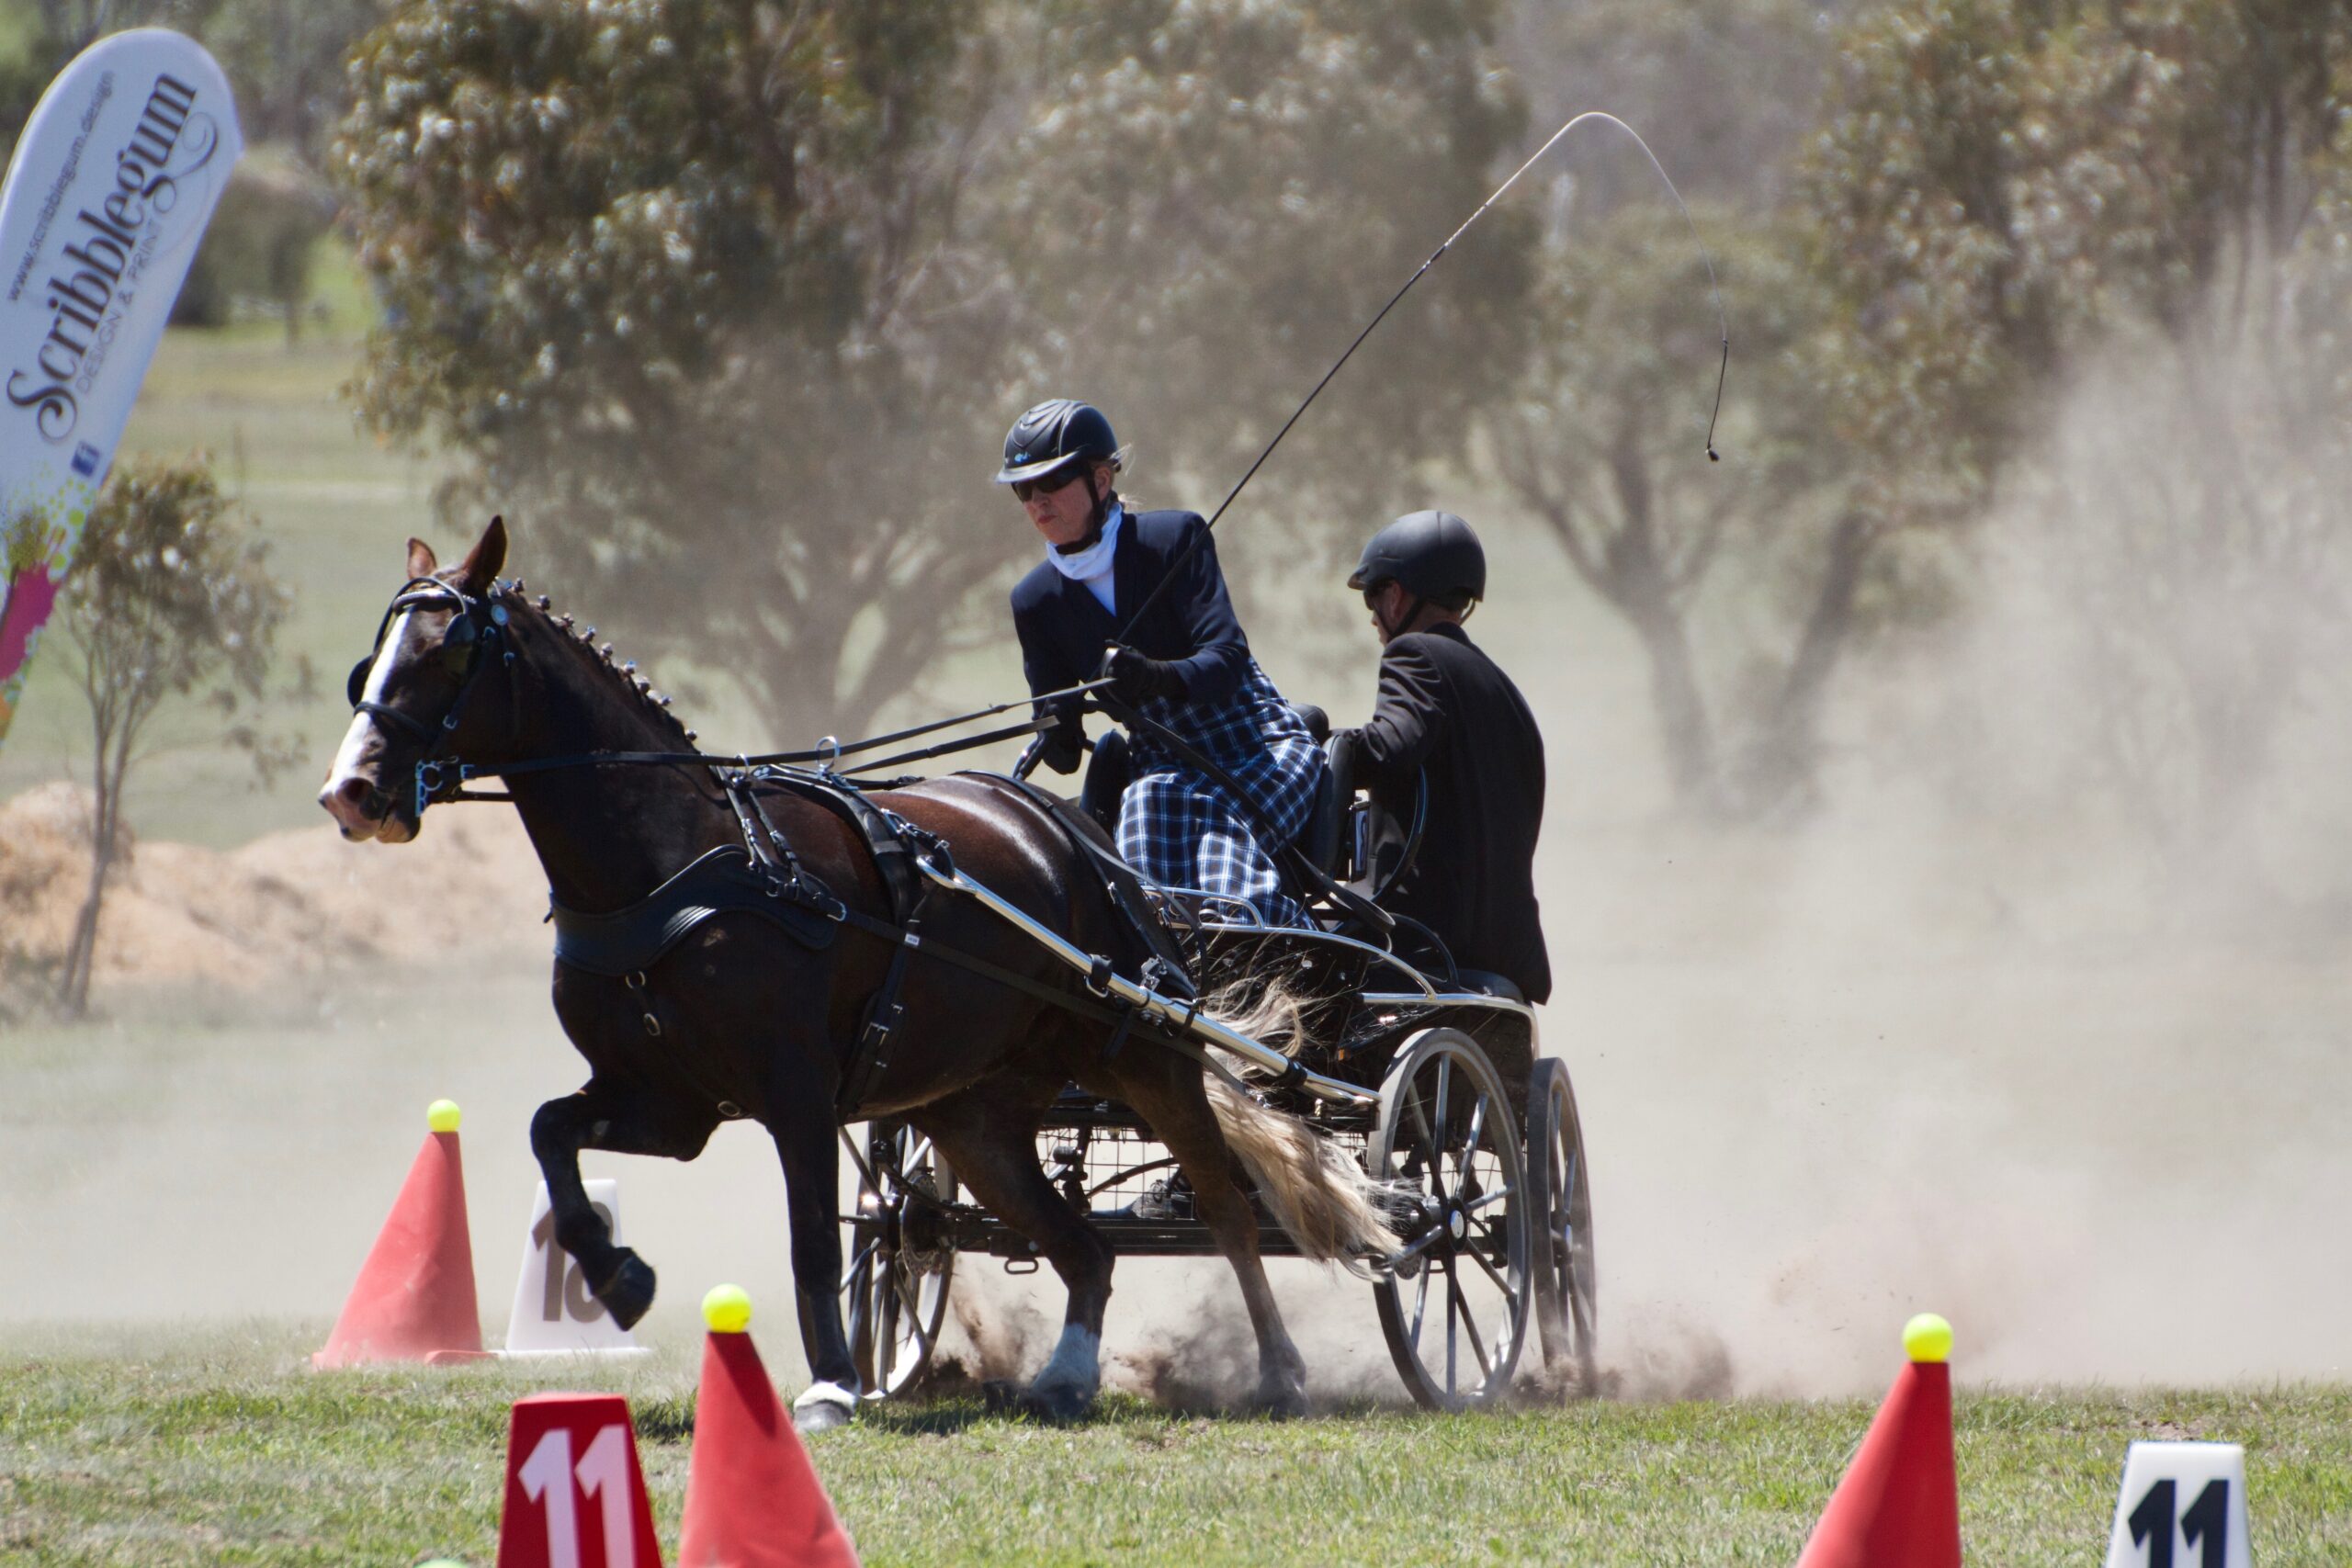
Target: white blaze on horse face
(352, 759)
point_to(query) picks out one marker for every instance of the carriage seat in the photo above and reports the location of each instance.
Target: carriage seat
(1486, 983)
(1327, 819)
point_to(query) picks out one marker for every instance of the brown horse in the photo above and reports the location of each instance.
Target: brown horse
(740, 1019)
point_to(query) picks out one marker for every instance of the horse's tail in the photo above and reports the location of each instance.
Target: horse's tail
(1327, 1203)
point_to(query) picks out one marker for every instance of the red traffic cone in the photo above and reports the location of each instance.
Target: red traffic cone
(415, 1298)
(1899, 1505)
(575, 1493)
(753, 1498)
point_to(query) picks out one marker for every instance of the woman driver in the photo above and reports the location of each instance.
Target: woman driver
(1185, 664)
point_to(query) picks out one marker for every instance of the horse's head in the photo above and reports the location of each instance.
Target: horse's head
(438, 684)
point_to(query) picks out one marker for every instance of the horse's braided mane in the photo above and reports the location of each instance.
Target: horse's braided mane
(656, 705)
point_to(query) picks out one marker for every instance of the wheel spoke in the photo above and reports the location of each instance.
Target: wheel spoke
(1417, 1246)
(1480, 1201)
(865, 1171)
(1452, 1310)
(1477, 1345)
(1470, 1140)
(1420, 1305)
(1510, 1295)
(1444, 1088)
(886, 1342)
(922, 1334)
(1421, 1118)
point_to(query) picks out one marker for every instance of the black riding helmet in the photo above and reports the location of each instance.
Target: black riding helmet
(1053, 435)
(1434, 555)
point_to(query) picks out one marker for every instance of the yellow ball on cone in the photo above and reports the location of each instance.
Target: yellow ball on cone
(728, 1309)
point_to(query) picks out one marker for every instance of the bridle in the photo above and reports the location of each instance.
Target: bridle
(475, 641)
(478, 638)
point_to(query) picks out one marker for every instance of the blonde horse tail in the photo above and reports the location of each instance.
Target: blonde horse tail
(1323, 1198)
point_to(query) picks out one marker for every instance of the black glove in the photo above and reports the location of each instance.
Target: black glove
(1136, 677)
(1061, 750)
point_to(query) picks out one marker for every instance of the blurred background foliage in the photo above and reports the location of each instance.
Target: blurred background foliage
(2036, 309)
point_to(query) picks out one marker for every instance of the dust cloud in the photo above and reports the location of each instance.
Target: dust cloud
(1986, 1034)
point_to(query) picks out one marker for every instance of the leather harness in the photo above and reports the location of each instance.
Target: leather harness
(766, 878)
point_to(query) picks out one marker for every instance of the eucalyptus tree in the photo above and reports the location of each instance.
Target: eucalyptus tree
(2015, 195)
(1225, 191)
(728, 304)
(1719, 569)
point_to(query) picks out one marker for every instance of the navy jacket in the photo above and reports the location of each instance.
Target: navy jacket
(1063, 627)
(1446, 710)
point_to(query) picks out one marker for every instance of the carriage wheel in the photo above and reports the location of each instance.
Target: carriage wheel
(1566, 1299)
(898, 1263)
(1455, 1298)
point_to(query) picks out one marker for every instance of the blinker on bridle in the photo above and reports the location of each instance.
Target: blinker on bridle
(476, 628)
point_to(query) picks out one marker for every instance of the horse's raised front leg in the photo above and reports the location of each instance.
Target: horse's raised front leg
(992, 1147)
(801, 1121)
(598, 1118)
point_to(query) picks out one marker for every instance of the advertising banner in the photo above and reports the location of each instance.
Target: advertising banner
(113, 181)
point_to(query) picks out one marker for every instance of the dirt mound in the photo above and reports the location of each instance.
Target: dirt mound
(297, 902)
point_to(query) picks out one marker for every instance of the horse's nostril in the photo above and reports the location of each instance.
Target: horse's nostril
(352, 792)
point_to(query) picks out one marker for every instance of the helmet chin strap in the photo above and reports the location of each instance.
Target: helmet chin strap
(1413, 606)
(1094, 519)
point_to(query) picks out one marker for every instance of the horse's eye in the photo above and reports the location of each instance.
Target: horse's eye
(358, 686)
(461, 633)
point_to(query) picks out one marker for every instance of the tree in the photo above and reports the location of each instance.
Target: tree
(682, 283)
(730, 304)
(1213, 198)
(1723, 91)
(169, 596)
(285, 60)
(1601, 441)
(260, 246)
(2010, 192)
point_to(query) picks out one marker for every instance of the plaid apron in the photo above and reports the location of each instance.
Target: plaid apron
(1183, 830)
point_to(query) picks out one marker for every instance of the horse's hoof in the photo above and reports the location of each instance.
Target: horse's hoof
(1283, 1404)
(819, 1415)
(1055, 1405)
(627, 1293)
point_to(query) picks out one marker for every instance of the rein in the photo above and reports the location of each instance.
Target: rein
(478, 627)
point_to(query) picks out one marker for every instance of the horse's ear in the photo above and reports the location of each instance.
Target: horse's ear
(483, 562)
(419, 560)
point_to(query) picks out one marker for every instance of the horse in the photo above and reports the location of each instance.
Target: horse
(741, 1019)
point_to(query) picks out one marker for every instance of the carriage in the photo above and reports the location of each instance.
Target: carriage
(1428, 1075)
(1259, 1070)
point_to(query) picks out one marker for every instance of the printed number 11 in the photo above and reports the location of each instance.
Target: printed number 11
(2205, 1526)
(546, 1478)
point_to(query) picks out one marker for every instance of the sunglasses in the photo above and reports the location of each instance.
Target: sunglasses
(1023, 489)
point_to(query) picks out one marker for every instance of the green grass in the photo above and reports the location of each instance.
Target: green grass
(223, 1450)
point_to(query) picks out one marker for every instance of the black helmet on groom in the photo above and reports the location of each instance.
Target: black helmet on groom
(1432, 555)
(1053, 435)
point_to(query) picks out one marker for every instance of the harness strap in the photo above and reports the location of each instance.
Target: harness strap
(870, 1058)
(885, 835)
